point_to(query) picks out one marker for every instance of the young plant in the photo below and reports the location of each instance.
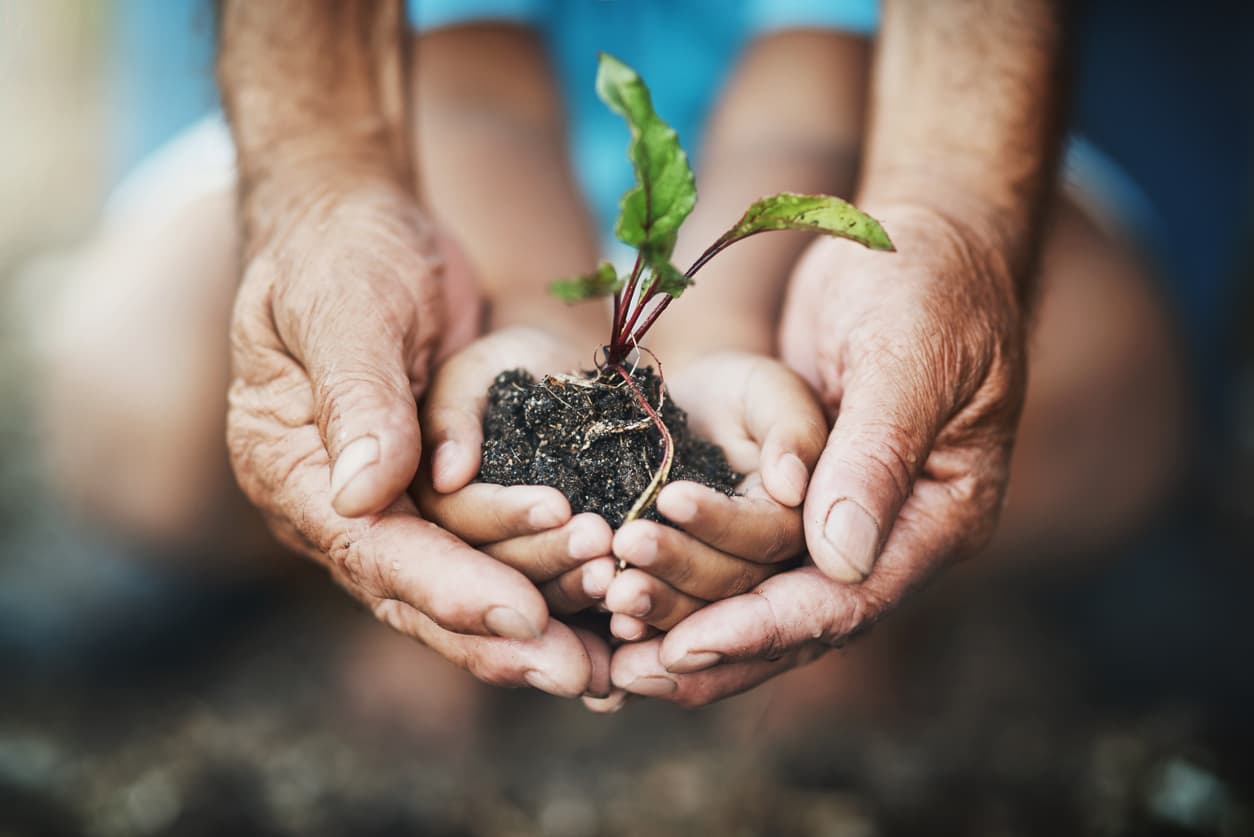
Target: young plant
(650, 215)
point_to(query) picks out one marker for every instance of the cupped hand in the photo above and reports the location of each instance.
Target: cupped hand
(341, 311)
(527, 527)
(767, 421)
(920, 357)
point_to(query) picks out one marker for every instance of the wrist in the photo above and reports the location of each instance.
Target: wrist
(313, 197)
(998, 240)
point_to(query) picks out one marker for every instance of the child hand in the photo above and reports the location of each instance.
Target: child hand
(769, 424)
(528, 527)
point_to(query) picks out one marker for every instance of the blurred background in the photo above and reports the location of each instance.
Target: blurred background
(148, 693)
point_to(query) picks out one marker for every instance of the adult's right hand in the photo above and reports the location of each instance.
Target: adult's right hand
(342, 310)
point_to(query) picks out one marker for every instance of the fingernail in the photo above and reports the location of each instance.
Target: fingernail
(545, 515)
(632, 632)
(680, 507)
(607, 705)
(595, 695)
(509, 623)
(584, 544)
(540, 680)
(446, 458)
(644, 548)
(652, 686)
(640, 606)
(855, 537)
(597, 581)
(357, 456)
(793, 472)
(694, 661)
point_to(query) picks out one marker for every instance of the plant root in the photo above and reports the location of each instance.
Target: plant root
(649, 495)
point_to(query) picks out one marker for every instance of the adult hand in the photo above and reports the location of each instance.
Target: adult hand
(772, 429)
(527, 527)
(340, 313)
(920, 355)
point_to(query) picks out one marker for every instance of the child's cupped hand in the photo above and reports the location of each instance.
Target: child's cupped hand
(528, 527)
(772, 429)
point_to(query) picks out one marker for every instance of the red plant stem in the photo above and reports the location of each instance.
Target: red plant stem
(618, 305)
(712, 251)
(622, 302)
(635, 314)
(635, 335)
(639, 333)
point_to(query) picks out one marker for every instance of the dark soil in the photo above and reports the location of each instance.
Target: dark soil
(593, 443)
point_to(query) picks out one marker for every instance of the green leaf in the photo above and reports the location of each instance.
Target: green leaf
(603, 282)
(670, 279)
(651, 211)
(816, 213)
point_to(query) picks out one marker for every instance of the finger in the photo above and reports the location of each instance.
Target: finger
(686, 563)
(598, 575)
(400, 557)
(578, 589)
(362, 385)
(565, 594)
(454, 407)
(782, 412)
(637, 669)
(882, 437)
(483, 512)
(453, 416)
(391, 556)
(629, 628)
(547, 555)
(804, 605)
(598, 651)
(606, 706)
(752, 527)
(557, 662)
(643, 597)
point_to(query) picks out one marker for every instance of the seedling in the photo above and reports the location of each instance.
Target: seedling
(650, 216)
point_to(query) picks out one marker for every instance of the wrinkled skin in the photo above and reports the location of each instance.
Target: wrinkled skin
(337, 322)
(919, 358)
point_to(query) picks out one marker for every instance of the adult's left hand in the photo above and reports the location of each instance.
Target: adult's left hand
(920, 357)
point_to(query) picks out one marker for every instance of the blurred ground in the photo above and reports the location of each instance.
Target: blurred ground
(138, 701)
(1114, 704)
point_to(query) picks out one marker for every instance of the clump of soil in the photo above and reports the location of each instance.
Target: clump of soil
(591, 441)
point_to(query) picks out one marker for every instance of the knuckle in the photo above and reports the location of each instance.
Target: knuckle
(885, 455)
(348, 551)
(491, 672)
(346, 396)
(773, 645)
(345, 554)
(744, 577)
(669, 562)
(785, 541)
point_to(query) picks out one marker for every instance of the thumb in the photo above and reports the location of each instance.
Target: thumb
(453, 417)
(882, 437)
(363, 398)
(782, 412)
